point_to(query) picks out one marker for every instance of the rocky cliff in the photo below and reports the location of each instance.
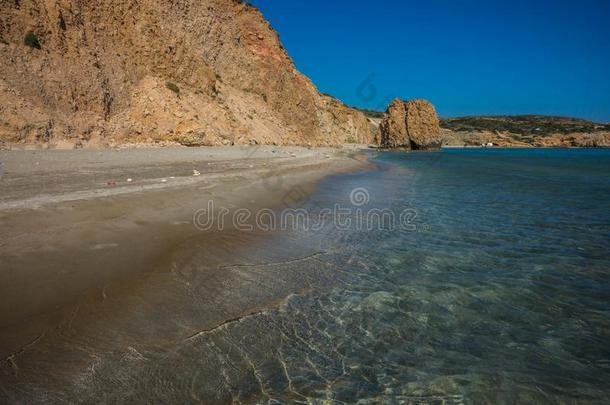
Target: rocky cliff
(197, 72)
(410, 125)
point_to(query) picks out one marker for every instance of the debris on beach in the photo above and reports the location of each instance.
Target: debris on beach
(196, 173)
(129, 180)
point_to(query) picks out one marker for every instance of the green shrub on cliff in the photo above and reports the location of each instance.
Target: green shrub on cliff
(173, 87)
(32, 40)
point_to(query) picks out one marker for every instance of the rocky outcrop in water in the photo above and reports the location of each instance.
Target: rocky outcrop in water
(410, 125)
(196, 72)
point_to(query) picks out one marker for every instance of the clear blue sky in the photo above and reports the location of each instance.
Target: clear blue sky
(467, 57)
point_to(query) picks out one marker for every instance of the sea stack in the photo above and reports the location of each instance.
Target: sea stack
(410, 125)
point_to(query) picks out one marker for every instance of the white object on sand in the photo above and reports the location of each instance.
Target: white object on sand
(196, 173)
(129, 180)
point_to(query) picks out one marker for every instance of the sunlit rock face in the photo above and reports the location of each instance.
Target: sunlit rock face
(410, 124)
(195, 72)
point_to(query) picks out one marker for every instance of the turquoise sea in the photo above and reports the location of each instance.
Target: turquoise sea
(497, 292)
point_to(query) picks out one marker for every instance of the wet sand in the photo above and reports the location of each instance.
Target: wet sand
(88, 255)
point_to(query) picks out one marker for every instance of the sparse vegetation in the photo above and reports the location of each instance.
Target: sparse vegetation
(370, 113)
(351, 140)
(173, 87)
(523, 124)
(214, 90)
(62, 22)
(31, 40)
(328, 95)
(247, 3)
(264, 97)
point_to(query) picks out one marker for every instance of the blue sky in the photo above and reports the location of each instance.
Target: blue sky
(467, 57)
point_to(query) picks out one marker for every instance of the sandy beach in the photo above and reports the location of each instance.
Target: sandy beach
(82, 231)
(250, 202)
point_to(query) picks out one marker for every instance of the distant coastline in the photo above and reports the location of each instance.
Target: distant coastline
(520, 131)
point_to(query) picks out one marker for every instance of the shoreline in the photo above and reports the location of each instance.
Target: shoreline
(67, 256)
(251, 316)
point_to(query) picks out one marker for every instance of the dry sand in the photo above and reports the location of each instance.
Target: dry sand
(80, 226)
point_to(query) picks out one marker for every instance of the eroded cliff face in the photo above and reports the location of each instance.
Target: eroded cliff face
(410, 124)
(198, 72)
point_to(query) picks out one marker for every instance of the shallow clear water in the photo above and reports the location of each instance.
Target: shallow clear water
(497, 292)
(500, 294)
